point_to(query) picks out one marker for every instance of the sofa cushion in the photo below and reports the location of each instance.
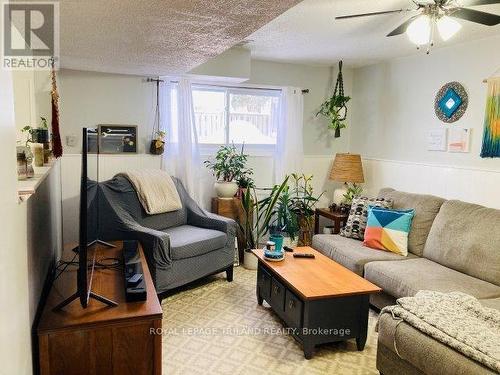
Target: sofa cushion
(402, 279)
(187, 241)
(426, 208)
(351, 253)
(424, 353)
(466, 237)
(358, 215)
(388, 229)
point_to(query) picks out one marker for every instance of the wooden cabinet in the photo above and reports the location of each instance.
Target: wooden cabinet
(99, 339)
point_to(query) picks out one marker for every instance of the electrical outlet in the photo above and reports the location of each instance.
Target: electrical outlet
(71, 141)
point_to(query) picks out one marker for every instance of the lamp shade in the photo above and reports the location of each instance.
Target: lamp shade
(347, 168)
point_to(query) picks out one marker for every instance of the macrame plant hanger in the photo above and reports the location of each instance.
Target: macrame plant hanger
(339, 88)
(157, 147)
(57, 148)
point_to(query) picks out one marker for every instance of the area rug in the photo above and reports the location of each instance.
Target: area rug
(217, 327)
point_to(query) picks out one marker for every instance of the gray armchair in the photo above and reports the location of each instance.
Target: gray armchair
(180, 246)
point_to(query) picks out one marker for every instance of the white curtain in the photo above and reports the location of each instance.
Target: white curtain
(289, 148)
(182, 155)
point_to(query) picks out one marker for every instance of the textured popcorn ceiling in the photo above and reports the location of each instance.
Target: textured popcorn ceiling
(157, 37)
(308, 33)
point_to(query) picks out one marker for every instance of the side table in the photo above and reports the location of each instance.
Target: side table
(339, 219)
(233, 209)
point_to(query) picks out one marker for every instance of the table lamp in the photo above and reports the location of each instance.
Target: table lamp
(347, 168)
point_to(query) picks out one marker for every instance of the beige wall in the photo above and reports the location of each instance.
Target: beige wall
(394, 103)
(394, 111)
(37, 221)
(89, 99)
(15, 343)
(320, 81)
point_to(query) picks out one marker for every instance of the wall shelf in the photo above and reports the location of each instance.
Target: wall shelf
(26, 188)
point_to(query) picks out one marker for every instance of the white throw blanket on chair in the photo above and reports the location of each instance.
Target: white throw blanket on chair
(156, 190)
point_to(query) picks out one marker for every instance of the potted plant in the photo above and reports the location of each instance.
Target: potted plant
(352, 191)
(228, 167)
(335, 110)
(286, 221)
(24, 154)
(158, 143)
(41, 134)
(302, 204)
(257, 218)
(245, 181)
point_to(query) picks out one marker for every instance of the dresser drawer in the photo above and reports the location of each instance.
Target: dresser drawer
(277, 300)
(264, 283)
(293, 309)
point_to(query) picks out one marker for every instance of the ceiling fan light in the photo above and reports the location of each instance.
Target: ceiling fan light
(447, 27)
(419, 31)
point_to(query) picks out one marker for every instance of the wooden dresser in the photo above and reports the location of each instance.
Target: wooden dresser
(100, 339)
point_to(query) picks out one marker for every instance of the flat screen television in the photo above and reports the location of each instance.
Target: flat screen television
(89, 217)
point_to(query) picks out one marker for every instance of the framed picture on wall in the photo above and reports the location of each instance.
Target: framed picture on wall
(117, 139)
(459, 140)
(436, 139)
(92, 138)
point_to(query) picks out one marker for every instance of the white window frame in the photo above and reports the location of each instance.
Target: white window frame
(251, 149)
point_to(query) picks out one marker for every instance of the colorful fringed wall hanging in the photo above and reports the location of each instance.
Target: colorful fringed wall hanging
(56, 135)
(491, 137)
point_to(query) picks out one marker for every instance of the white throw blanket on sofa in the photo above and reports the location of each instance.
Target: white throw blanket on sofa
(155, 189)
(455, 319)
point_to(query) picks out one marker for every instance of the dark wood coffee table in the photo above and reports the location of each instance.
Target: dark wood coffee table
(320, 300)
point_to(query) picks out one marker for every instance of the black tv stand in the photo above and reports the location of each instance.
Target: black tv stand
(93, 295)
(99, 242)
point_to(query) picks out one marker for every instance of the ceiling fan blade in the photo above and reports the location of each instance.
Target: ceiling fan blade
(476, 16)
(471, 3)
(370, 14)
(402, 28)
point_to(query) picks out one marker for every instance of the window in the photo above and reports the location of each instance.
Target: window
(236, 115)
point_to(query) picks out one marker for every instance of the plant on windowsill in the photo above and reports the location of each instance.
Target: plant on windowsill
(24, 155)
(228, 167)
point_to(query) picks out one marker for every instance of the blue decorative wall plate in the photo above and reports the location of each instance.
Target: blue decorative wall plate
(451, 102)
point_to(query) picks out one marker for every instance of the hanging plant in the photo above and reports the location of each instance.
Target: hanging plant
(158, 143)
(335, 108)
(157, 146)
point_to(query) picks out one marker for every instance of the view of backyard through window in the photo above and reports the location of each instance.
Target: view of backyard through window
(236, 115)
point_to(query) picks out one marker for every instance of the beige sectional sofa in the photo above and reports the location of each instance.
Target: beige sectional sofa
(453, 246)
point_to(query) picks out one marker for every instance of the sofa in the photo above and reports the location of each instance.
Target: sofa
(180, 246)
(453, 246)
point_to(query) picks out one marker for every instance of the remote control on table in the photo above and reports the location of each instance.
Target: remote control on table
(288, 249)
(303, 255)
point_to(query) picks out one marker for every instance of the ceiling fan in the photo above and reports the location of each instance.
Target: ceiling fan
(436, 14)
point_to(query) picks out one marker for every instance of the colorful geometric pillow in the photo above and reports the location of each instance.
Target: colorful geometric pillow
(356, 223)
(388, 229)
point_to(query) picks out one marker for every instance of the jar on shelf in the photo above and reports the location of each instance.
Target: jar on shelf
(24, 163)
(22, 166)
